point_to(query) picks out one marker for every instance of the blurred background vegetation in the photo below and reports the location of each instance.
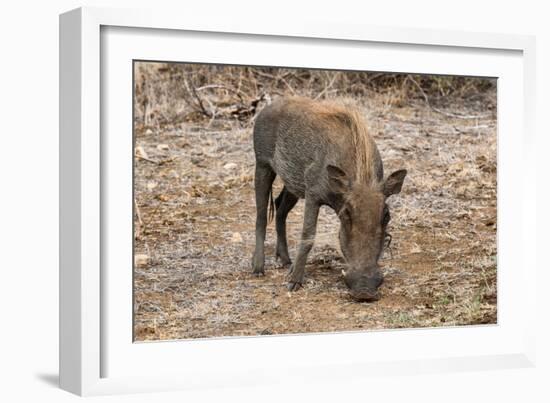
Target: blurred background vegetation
(172, 93)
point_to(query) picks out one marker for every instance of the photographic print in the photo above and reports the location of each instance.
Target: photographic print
(275, 200)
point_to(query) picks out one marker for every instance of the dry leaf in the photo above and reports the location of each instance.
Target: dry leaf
(140, 152)
(236, 237)
(141, 260)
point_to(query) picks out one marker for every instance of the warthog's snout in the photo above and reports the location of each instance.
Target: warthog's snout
(365, 295)
(364, 285)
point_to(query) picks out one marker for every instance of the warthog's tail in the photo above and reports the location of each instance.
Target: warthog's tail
(271, 211)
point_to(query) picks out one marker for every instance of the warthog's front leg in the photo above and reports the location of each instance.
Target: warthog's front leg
(297, 270)
(263, 179)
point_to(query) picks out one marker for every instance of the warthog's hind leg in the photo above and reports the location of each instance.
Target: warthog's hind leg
(263, 179)
(284, 203)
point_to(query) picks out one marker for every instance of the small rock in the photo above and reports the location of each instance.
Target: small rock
(236, 237)
(196, 160)
(140, 260)
(230, 165)
(163, 147)
(148, 132)
(391, 271)
(162, 197)
(140, 152)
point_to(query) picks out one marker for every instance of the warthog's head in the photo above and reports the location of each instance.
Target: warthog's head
(364, 216)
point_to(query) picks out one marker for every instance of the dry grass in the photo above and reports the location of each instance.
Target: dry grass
(194, 196)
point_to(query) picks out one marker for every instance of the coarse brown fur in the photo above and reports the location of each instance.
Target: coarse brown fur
(345, 120)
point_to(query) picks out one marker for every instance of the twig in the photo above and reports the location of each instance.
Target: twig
(372, 77)
(327, 87)
(211, 120)
(287, 84)
(219, 86)
(140, 222)
(199, 100)
(147, 159)
(271, 76)
(388, 239)
(138, 213)
(454, 115)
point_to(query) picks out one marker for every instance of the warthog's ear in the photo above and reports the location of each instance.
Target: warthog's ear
(337, 179)
(394, 182)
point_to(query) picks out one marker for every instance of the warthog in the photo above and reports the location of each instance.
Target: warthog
(325, 155)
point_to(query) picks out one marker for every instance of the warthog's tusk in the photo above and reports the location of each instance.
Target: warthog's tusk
(343, 273)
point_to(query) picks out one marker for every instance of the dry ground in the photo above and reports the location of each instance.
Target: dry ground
(195, 217)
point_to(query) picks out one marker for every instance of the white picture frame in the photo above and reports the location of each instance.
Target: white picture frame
(97, 357)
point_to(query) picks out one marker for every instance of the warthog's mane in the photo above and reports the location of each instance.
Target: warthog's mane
(345, 119)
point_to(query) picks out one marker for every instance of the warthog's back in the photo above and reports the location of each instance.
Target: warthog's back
(298, 138)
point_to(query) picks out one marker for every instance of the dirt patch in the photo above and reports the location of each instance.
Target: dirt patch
(195, 220)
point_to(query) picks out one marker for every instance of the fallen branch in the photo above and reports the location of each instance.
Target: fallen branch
(193, 91)
(162, 162)
(141, 157)
(327, 87)
(219, 86)
(140, 222)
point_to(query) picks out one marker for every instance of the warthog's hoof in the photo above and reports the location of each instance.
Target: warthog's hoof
(295, 278)
(258, 265)
(285, 260)
(294, 286)
(258, 272)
